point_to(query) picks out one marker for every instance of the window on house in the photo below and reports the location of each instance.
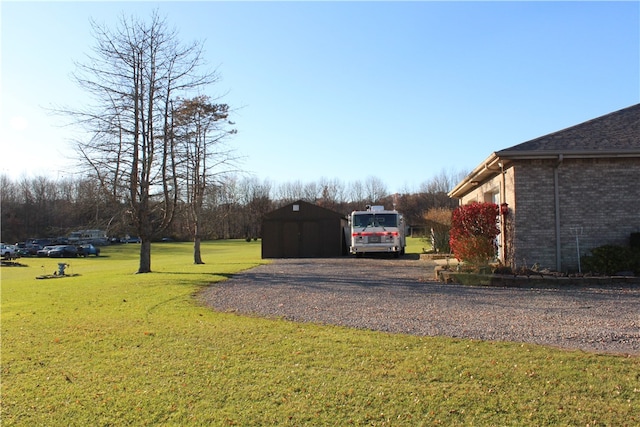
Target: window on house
(492, 197)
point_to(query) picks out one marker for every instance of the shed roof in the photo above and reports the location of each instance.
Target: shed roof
(305, 209)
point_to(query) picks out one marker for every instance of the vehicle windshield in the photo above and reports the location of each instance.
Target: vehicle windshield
(375, 220)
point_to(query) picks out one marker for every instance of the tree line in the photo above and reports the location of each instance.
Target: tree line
(232, 208)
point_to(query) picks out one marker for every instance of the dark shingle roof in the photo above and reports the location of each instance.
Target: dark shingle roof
(614, 132)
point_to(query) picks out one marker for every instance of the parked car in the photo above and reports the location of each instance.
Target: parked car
(100, 241)
(63, 251)
(23, 250)
(130, 239)
(31, 249)
(40, 242)
(44, 252)
(8, 251)
(86, 250)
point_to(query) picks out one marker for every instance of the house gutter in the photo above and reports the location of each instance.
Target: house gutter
(576, 154)
(478, 175)
(503, 218)
(556, 190)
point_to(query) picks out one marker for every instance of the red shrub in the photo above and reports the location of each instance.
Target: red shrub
(473, 231)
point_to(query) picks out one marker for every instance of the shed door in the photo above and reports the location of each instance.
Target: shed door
(311, 240)
(290, 240)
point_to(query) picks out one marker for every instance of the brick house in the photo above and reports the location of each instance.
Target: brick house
(564, 193)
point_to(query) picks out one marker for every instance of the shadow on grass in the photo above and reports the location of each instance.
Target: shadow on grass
(13, 264)
(180, 273)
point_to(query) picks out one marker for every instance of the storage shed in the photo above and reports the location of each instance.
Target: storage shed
(303, 230)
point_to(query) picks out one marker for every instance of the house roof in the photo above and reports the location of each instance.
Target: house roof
(615, 134)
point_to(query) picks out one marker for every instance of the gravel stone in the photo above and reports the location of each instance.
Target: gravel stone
(400, 296)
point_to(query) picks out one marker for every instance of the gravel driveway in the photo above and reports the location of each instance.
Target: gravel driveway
(399, 295)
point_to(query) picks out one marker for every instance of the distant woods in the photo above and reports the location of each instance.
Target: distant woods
(232, 205)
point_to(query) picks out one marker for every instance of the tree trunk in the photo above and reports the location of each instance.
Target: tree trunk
(145, 255)
(197, 258)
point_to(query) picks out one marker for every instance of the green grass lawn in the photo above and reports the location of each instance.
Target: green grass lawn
(109, 347)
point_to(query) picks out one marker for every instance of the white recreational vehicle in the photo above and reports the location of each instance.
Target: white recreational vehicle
(97, 237)
(377, 230)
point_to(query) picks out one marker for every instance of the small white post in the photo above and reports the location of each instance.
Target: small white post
(578, 232)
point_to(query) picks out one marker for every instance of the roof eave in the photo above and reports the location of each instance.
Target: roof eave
(490, 166)
(567, 154)
(487, 168)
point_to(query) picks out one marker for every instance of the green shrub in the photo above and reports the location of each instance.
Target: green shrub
(611, 259)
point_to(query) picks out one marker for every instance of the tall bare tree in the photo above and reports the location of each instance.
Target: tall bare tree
(200, 127)
(375, 189)
(134, 74)
(255, 201)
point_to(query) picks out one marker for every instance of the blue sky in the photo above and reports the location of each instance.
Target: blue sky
(396, 90)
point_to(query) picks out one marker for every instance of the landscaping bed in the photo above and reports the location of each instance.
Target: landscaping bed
(533, 280)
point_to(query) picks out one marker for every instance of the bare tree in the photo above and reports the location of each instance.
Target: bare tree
(443, 182)
(223, 201)
(311, 191)
(200, 126)
(375, 189)
(255, 203)
(357, 192)
(13, 211)
(290, 191)
(333, 193)
(133, 75)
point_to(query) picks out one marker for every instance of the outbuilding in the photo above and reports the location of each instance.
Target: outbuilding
(303, 230)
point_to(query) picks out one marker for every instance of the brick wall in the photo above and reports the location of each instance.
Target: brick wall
(534, 239)
(599, 204)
